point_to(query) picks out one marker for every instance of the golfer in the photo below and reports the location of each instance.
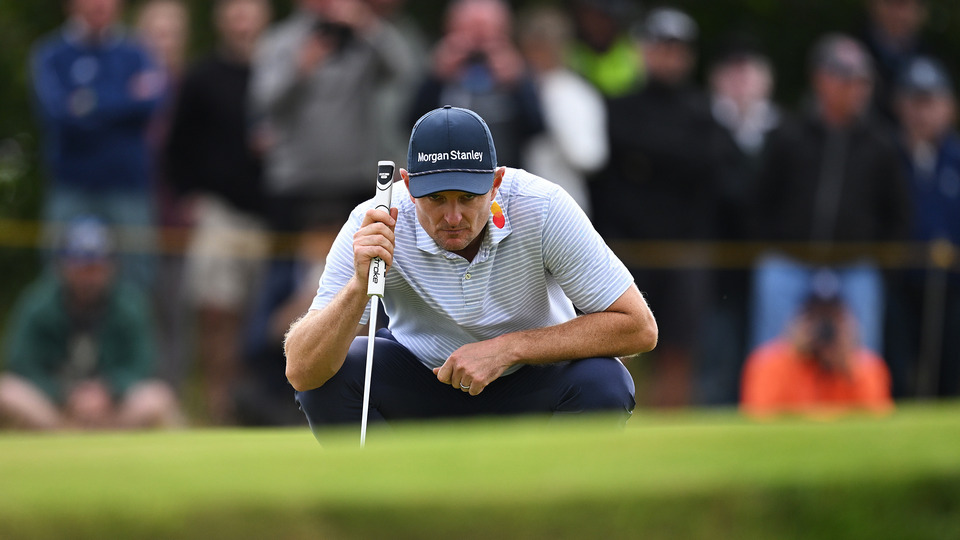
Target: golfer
(501, 296)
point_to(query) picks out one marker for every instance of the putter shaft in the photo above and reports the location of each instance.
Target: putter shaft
(368, 373)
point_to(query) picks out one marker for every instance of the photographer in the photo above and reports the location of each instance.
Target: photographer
(476, 65)
(818, 367)
(314, 79)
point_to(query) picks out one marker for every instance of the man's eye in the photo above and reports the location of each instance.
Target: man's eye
(469, 197)
(435, 198)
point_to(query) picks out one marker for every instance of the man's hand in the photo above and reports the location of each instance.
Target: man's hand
(312, 53)
(475, 365)
(374, 239)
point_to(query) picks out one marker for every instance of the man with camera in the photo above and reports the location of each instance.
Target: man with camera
(477, 66)
(818, 366)
(315, 75)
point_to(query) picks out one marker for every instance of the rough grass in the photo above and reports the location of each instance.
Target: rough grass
(664, 476)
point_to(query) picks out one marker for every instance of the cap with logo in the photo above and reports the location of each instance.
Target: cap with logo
(924, 75)
(451, 149)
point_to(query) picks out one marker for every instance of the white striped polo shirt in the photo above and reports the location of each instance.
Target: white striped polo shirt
(529, 274)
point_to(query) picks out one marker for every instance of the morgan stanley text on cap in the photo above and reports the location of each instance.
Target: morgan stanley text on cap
(451, 149)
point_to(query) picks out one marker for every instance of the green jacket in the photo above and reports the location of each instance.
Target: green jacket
(38, 337)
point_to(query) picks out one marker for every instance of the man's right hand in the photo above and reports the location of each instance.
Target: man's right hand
(374, 239)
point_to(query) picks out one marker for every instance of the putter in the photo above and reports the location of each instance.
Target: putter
(375, 286)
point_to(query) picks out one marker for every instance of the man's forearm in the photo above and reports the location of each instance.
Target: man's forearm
(591, 335)
(627, 327)
(317, 344)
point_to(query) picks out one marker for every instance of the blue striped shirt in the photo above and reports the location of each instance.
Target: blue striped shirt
(529, 274)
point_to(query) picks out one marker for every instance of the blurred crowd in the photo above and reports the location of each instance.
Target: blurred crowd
(190, 201)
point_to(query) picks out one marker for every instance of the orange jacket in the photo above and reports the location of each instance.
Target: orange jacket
(777, 378)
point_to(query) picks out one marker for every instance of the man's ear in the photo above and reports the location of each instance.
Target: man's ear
(498, 179)
(406, 182)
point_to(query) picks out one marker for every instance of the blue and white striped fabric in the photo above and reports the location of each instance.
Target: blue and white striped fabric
(530, 274)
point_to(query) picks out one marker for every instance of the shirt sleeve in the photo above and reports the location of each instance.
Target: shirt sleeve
(32, 344)
(587, 270)
(338, 267)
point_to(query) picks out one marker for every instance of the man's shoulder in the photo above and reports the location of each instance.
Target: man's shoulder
(520, 183)
(48, 45)
(40, 300)
(286, 29)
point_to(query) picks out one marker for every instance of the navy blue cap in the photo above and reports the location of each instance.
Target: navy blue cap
(924, 75)
(451, 149)
(86, 239)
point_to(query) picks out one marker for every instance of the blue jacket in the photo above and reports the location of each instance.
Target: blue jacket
(936, 193)
(95, 101)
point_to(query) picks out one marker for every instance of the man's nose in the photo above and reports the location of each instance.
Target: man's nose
(453, 214)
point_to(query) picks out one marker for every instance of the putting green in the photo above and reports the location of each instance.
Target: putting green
(664, 476)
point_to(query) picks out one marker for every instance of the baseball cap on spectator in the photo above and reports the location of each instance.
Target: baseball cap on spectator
(842, 56)
(451, 149)
(623, 10)
(924, 75)
(86, 239)
(668, 24)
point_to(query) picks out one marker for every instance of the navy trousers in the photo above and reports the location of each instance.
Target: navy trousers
(403, 388)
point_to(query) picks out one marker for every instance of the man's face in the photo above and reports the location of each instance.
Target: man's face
(97, 14)
(241, 21)
(668, 61)
(899, 19)
(455, 219)
(843, 97)
(927, 115)
(87, 281)
(743, 81)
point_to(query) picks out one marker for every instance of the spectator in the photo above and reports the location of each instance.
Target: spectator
(818, 366)
(265, 397)
(658, 186)
(315, 76)
(603, 52)
(210, 160)
(313, 96)
(892, 35)
(80, 348)
(477, 66)
(96, 90)
(574, 143)
(924, 317)
(393, 100)
(830, 182)
(163, 26)
(741, 84)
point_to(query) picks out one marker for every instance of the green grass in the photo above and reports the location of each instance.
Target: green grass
(664, 476)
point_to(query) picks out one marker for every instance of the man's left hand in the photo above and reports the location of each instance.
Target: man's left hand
(472, 367)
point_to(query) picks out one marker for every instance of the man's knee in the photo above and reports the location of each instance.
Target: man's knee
(337, 400)
(602, 384)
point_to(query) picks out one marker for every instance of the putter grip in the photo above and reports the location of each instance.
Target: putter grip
(381, 201)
